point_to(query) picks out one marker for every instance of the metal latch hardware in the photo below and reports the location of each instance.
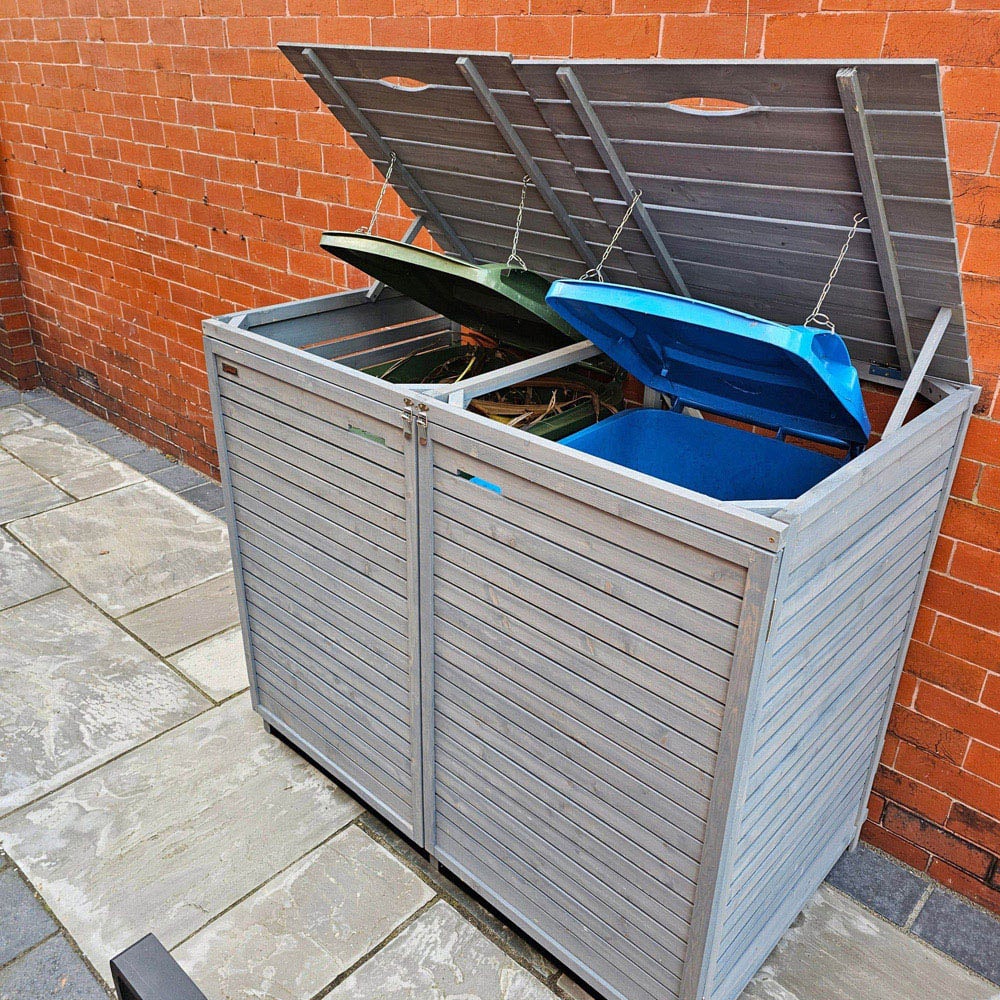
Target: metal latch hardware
(422, 423)
(407, 418)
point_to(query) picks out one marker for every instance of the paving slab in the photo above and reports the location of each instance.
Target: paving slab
(218, 665)
(130, 547)
(73, 464)
(837, 950)
(963, 931)
(188, 617)
(52, 970)
(52, 450)
(25, 491)
(441, 956)
(168, 836)
(147, 460)
(75, 690)
(17, 418)
(23, 920)
(85, 483)
(22, 576)
(883, 885)
(95, 430)
(208, 496)
(308, 925)
(178, 478)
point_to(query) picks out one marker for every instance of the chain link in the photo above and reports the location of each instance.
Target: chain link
(514, 258)
(816, 317)
(595, 272)
(366, 230)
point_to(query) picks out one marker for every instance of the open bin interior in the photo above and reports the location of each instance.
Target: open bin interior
(745, 207)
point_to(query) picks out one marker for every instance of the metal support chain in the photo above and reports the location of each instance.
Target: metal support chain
(514, 258)
(595, 272)
(816, 317)
(366, 230)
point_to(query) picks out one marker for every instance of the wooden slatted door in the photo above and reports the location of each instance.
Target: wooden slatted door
(319, 487)
(582, 647)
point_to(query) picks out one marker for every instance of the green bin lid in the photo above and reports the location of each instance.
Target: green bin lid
(507, 303)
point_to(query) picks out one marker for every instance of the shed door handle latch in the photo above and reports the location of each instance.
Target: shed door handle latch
(410, 419)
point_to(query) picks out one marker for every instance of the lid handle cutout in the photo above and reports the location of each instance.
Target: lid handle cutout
(404, 83)
(711, 107)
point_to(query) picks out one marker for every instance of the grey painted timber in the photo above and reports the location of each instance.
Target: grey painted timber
(642, 723)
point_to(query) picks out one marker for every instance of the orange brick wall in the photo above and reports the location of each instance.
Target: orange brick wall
(17, 348)
(157, 169)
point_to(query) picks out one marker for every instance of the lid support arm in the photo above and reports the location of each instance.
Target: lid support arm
(363, 123)
(871, 193)
(570, 83)
(916, 377)
(376, 289)
(524, 157)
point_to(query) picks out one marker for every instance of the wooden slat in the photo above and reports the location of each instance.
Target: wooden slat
(566, 768)
(627, 939)
(685, 757)
(571, 715)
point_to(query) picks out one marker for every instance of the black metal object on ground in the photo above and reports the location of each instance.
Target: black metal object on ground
(147, 971)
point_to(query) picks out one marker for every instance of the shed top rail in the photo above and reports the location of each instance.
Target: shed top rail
(751, 174)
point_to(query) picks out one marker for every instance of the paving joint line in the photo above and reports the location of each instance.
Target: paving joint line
(117, 622)
(918, 907)
(448, 890)
(270, 878)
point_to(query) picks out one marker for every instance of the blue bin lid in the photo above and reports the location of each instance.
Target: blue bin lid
(794, 378)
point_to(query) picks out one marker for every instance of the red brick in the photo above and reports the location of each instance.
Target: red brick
(961, 600)
(878, 836)
(971, 93)
(985, 761)
(991, 690)
(814, 35)
(959, 785)
(716, 36)
(966, 479)
(972, 523)
(975, 827)
(937, 841)
(975, 645)
(988, 493)
(940, 740)
(977, 565)
(977, 721)
(634, 36)
(921, 798)
(958, 39)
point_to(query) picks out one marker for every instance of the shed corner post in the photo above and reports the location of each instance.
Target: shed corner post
(732, 767)
(973, 396)
(212, 368)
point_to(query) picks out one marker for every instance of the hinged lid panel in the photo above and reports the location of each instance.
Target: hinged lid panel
(506, 302)
(747, 208)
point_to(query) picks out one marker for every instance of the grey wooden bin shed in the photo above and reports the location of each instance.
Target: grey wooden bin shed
(641, 722)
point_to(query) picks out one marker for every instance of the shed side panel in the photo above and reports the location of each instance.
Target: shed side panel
(848, 584)
(581, 668)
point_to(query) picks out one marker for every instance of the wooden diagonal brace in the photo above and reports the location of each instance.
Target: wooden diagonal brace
(871, 193)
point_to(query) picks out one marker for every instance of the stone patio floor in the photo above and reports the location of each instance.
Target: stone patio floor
(139, 792)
